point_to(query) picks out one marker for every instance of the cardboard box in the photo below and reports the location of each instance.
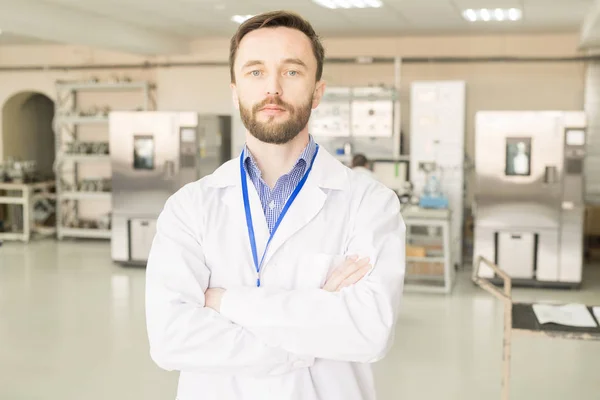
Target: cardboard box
(415, 251)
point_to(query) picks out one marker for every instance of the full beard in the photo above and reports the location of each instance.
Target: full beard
(276, 132)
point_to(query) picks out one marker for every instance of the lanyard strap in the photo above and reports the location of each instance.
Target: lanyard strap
(285, 209)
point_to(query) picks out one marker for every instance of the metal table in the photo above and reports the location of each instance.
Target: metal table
(28, 194)
(519, 318)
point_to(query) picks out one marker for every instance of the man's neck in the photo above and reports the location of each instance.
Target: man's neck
(276, 160)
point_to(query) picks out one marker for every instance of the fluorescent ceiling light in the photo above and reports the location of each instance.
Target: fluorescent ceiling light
(241, 18)
(514, 14)
(485, 15)
(333, 4)
(496, 14)
(470, 15)
(499, 14)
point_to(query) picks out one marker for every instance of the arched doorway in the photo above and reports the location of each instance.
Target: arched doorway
(27, 132)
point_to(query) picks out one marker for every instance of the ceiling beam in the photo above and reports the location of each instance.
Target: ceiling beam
(55, 23)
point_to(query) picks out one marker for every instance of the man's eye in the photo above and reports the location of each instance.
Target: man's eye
(292, 73)
(255, 73)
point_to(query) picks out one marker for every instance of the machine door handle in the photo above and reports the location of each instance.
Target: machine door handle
(169, 171)
(550, 174)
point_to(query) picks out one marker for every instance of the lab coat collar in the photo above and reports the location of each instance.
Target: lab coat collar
(327, 173)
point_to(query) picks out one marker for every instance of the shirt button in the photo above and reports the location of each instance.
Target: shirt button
(272, 204)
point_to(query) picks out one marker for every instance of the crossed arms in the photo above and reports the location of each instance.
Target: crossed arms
(263, 331)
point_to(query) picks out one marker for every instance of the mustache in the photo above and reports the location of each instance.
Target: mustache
(275, 101)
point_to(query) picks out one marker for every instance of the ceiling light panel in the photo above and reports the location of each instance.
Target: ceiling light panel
(241, 18)
(346, 4)
(492, 14)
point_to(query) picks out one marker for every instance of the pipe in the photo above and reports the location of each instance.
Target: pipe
(347, 60)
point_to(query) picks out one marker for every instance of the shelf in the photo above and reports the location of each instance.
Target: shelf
(44, 230)
(103, 86)
(79, 119)
(43, 196)
(86, 195)
(426, 259)
(85, 157)
(423, 277)
(13, 236)
(12, 200)
(85, 233)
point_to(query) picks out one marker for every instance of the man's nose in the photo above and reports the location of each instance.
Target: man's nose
(274, 86)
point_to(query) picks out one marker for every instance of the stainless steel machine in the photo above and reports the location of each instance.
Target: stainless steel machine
(153, 154)
(529, 197)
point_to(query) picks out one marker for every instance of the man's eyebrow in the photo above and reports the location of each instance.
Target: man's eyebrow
(252, 63)
(296, 61)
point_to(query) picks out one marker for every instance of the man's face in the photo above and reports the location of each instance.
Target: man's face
(275, 87)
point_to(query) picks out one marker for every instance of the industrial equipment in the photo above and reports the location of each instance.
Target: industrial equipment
(154, 154)
(437, 151)
(529, 197)
(352, 120)
(432, 195)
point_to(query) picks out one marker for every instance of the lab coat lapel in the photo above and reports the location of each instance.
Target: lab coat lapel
(327, 174)
(307, 205)
(235, 203)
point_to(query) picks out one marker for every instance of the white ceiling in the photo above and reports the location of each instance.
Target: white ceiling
(161, 26)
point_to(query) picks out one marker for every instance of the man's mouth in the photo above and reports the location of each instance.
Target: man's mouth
(272, 108)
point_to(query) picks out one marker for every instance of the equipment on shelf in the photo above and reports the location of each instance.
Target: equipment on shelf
(529, 197)
(432, 196)
(101, 223)
(19, 172)
(77, 147)
(154, 154)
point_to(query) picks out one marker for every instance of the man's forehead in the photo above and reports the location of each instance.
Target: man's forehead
(275, 44)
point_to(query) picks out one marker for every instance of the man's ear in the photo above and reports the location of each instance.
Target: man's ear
(318, 93)
(234, 96)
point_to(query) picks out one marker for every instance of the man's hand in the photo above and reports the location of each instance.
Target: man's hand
(213, 298)
(350, 272)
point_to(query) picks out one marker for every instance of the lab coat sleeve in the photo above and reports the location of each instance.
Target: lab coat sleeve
(183, 334)
(355, 324)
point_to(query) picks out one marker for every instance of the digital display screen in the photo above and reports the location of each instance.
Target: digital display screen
(143, 152)
(575, 137)
(518, 157)
(188, 135)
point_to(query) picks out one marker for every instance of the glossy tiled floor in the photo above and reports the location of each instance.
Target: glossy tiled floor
(72, 328)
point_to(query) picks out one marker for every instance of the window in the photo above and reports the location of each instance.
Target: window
(518, 157)
(143, 152)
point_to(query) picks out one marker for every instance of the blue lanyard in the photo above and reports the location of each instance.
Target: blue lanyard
(283, 212)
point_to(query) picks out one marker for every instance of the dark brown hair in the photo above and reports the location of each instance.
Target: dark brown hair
(275, 19)
(359, 160)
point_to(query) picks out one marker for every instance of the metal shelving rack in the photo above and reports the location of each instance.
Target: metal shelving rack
(67, 121)
(428, 230)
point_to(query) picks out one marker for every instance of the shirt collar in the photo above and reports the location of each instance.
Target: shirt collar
(304, 159)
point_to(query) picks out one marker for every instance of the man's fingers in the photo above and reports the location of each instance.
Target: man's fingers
(347, 269)
(355, 277)
(337, 276)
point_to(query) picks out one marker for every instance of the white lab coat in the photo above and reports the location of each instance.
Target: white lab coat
(288, 339)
